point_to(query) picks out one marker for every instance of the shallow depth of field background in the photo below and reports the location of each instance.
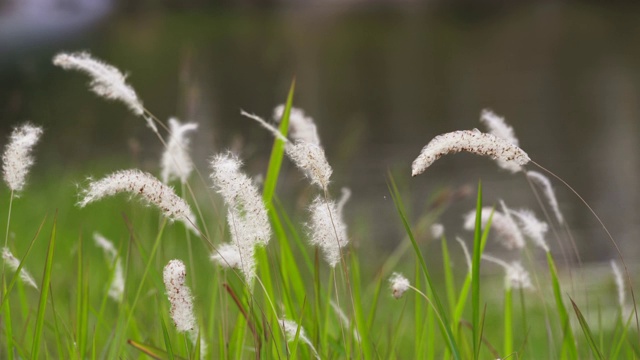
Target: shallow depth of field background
(380, 79)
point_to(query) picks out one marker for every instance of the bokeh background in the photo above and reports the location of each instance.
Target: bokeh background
(381, 78)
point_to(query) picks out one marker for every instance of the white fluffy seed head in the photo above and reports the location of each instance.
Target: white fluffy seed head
(498, 126)
(327, 229)
(116, 286)
(437, 230)
(179, 295)
(242, 196)
(247, 215)
(301, 127)
(17, 159)
(144, 185)
(399, 285)
(532, 227)
(13, 263)
(106, 80)
(176, 162)
(503, 225)
(310, 158)
(617, 276)
(542, 181)
(517, 277)
(472, 141)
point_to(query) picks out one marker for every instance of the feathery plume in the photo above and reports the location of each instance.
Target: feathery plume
(308, 157)
(498, 127)
(179, 295)
(399, 285)
(506, 229)
(516, 277)
(247, 216)
(437, 230)
(472, 141)
(345, 195)
(136, 182)
(290, 329)
(301, 127)
(273, 130)
(548, 192)
(533, 228)
(13, 263)
(327, 229)
(176, 162)
(106, 80)
(617, 276)
(17, 158)
(465, 250)
(116, 286)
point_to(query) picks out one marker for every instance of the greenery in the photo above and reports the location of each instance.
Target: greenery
(346, 312)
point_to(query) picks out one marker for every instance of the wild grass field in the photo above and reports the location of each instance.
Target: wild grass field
(259, 278)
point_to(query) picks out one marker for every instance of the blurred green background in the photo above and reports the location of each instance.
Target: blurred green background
(380, 78)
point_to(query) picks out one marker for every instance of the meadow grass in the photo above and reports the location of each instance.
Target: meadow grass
(298, 305)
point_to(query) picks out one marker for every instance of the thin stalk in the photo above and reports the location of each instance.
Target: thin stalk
(606, 230)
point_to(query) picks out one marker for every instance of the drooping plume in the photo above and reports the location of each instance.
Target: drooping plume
(17, 159)
(498, 127)
(472, 141)
(247, 216)
(176, 162)
(516, 277)
(179, 295)
(307, 156)
(327, 229)
(144, 185)
(548, 192)
(399, 285)
(301, 127)
(116, 286)
(617, 276)
(13, 263)
(106, 81)
(503, 225)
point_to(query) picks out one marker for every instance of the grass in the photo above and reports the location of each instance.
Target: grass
(344, 312)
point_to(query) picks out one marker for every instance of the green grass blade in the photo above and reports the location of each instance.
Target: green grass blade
(475, 275)
(508, 321)
(16, 274)
(277, 151)
(448, 277)
(587, 332)
(621, 339)
(450, 340)
(167, 340)
(152, 351)
(568, 343)
(44, 294)
(8, 326)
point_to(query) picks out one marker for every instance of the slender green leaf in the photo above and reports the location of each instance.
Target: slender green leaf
(44, 293)
(450, 340)
(587, 332)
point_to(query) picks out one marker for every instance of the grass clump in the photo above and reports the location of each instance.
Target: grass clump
(241, 276)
